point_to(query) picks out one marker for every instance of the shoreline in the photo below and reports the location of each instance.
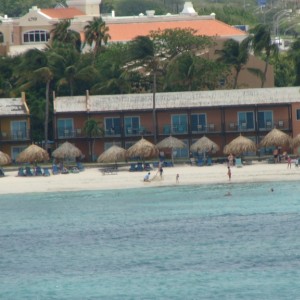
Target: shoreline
(93, 179)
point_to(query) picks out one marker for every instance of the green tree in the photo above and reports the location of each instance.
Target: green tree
(294, 55)
(152, 54)
(235, 55)
(39, 67)
(96, 34)
(113, 77)
(191, 72)
(263, 46)
(61, 34)
(93, 129)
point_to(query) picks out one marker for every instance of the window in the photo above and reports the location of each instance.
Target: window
(179, 123)
(298, 114)
(198, 122)
(65, 128)
(265, 119)
(112, 126)
(132, 125)
(1, 38)
(19, 130)
(36, 36)
(246, 120)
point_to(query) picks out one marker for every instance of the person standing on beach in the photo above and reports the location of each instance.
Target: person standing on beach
(161, 170)
(177, 178)
(289, 162)
(229, 173)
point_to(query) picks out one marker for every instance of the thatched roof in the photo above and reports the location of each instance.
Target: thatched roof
(113, 154)
(276, 138)
(170, 142)
(204, 144)
(66, 150)
(32, 154)
(239, 145)
(177, 100)
(143, 149)
(296, 141)
(4, 159)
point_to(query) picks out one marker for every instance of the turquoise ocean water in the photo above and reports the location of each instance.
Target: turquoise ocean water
(182, 242)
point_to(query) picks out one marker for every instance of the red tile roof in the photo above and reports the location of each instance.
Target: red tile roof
(128, 31)
(62, 13)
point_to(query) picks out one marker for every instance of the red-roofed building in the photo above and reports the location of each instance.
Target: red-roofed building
(124, 31)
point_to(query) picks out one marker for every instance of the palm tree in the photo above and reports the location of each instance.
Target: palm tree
(152, 54)
(62, 34)
(38, 67)
(191, 72)
(235, 55)
(93, 129)
(144, 55)
(262, 45)
(96, 34)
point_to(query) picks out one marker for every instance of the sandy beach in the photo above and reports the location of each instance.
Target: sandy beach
(93, 179)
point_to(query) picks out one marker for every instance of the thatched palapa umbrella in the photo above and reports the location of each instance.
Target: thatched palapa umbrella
(66, 150)
(171, 143)
(143, 149)
(296, 141)
(112, 154)
(204, 145)
(239, 145)
(4, 159)
(276, 138)
(33, 154)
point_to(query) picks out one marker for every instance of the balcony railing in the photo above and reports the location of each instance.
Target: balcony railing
(137, 131)
(263, 126)
(16, 135)
(241, 127)
(70, 133)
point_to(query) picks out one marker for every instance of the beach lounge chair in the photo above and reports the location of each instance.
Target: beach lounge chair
(46, 172)
(21, 172)
(55, 170)
(132, 168)
(200, 162)
(80, 166)
(74, 170)
(28, 171)
(147, 167)
(139, 167)
(209, 161)
(110, 171)
(238, 162)
(1, 173)
(65, 171)
(38, 171)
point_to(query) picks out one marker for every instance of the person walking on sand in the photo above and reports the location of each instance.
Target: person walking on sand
(289, 162)
(229, 173)
(177, 178)
(161, 170)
